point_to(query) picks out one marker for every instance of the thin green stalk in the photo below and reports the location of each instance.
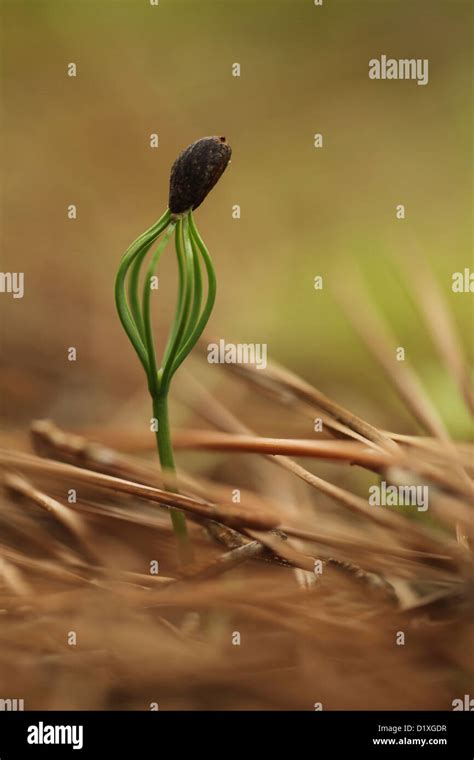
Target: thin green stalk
(165, 451)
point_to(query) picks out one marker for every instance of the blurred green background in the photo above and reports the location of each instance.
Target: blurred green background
(304, 211)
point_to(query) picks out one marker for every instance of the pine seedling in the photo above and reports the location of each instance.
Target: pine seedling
(193, 175)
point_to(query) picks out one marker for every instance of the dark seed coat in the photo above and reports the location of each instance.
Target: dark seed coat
(196, 171)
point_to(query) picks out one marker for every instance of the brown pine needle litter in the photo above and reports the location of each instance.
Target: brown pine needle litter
(300, 591)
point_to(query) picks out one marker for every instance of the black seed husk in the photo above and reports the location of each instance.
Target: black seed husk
(196, 171)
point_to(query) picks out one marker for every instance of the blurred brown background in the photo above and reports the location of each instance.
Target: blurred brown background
(304, 212)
